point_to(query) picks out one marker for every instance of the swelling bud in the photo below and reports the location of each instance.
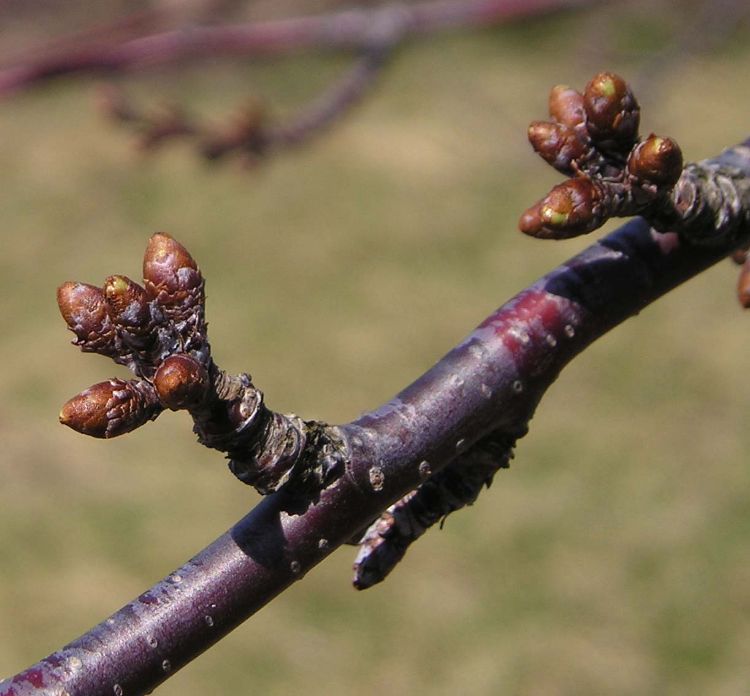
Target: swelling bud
(84, 309)
(656, 161)
(181, 382)
(557, 144)
(128, 304)
(566, 106)
(170, 273)
(569, 209)
(111, 408)
(612, 112)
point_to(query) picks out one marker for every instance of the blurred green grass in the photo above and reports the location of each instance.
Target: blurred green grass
(614, 556)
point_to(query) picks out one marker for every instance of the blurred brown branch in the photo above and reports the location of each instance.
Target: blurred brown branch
(125, 45)
(351, 29)
(250, 133)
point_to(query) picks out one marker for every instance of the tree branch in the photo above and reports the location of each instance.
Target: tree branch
(350, 30)
(250, 134)
(374, 34)
(490, 383)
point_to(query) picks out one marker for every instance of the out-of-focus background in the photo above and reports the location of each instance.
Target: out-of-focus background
(613, 557)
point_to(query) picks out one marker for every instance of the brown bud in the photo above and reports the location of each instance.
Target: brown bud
(170, 273)
(128, 304)
(568, 210)
(656, 160)
(612, 112)
(566, 106)
(111, 408)
(557, 144)
(84, 309)
(181, 382)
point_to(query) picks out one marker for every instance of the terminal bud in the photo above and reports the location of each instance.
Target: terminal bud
(171, 275)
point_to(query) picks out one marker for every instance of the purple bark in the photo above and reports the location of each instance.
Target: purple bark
(492, 381)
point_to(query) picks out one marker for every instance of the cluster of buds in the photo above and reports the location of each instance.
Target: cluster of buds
(593, 139)
(157, 330)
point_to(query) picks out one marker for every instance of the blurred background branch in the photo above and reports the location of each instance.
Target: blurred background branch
(129, 43)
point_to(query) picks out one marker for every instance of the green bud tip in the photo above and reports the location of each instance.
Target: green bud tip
(117, 285)
(607, 87)
(555, 218)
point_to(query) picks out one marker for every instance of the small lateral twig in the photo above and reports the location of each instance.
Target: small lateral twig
(251, 132)
(339, 98)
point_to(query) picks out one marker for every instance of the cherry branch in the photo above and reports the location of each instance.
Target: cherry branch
(427, 452)
(490, 383)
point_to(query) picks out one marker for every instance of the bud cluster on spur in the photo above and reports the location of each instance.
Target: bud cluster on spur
(593, 138)
(158, 330)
